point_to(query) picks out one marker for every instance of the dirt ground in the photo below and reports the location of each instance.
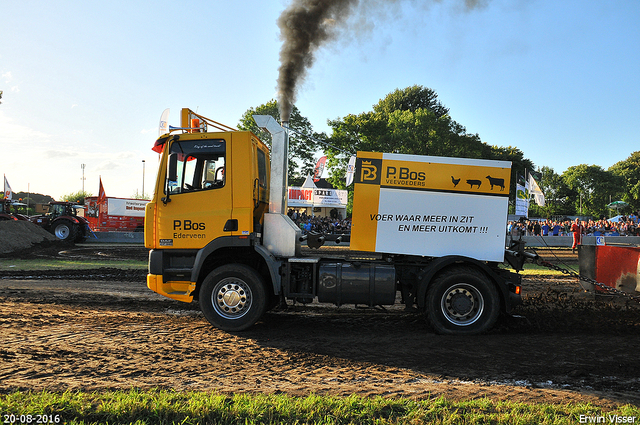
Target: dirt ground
(103, 329)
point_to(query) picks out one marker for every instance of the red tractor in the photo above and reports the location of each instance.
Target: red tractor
(63, 221)
(5, 210)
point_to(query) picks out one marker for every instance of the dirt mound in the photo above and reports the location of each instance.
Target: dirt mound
(21, 235)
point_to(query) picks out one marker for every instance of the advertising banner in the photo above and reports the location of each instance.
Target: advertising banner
(329, 198)
(522, 200)
(316, 197)
(300, 197)
(126, 207)
(430, 206)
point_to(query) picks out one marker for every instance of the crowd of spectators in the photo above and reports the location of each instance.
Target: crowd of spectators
(625, 226)
(326, 225)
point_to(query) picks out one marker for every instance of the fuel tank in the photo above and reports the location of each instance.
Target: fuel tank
(355, 283)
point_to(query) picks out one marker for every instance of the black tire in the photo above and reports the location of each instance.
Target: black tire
(462, 301)
(81, 234)
(233, 297)
(65, 230)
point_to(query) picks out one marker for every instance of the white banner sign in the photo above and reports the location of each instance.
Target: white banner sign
(522, 200)
(441, 224)
(329, 198)
(300, 197)
(126, 207)
(316, 197)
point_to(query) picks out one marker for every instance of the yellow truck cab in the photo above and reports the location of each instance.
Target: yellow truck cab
(211, 192)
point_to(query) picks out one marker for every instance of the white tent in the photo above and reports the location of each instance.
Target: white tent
(308, 182)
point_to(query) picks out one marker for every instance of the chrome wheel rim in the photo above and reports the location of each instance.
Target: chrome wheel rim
(462, 304)
(231, 298)
(62, 231)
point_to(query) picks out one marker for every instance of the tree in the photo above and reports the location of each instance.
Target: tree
(301, 149)
(629, 172)
(139, 195)
(76, 197)
(411, 99)
(35, 198)
(592, 188)
(519, 166)
(411, 121)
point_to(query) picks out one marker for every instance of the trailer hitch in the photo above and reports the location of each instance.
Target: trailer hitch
(314, 239)
(516, 255)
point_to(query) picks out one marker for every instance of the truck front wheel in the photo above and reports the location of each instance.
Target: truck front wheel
(233, 297)
(65, 230)
(462, 301)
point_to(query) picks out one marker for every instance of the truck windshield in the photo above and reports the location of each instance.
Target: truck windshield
(200, 165)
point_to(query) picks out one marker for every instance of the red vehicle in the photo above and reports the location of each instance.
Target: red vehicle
(115, 214)
(5, 210)
(63, 221)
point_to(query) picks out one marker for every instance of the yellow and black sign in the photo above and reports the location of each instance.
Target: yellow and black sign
(433, 173)
(430, 206)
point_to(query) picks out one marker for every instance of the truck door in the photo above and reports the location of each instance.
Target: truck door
(198, 197)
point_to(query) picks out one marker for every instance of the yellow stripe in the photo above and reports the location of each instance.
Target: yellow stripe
(366, 200)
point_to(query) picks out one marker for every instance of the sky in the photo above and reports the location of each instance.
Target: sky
(85, 82)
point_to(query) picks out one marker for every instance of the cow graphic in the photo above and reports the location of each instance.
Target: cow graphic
(493, 181)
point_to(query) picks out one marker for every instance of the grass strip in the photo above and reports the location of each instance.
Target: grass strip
(7, 264)
(170, 407)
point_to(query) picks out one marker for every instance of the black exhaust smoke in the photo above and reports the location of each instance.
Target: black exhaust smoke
(306, 24)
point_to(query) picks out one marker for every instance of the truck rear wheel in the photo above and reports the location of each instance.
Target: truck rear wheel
(462, 301)
(65, 230)
(233, 297)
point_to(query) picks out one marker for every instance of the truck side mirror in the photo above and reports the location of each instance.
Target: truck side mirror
(172, 172)
(172, 176)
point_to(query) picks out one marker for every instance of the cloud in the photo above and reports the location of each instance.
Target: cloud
(54, 154)
(108, 166)
(16, 134)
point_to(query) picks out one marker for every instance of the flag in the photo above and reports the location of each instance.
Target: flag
(522, 197)
(102, 197)
(163, 128)
(8, 194)
(535, 190)
(317, 172)
(351, 169)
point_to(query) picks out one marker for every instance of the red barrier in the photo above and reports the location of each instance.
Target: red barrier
(618, 267)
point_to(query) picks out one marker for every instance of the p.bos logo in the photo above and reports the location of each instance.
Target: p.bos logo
(368, 171)
(187, 225)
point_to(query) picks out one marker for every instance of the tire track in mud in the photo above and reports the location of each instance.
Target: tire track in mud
(87, 335)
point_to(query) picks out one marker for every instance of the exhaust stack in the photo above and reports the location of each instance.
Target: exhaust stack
(281, 235)
(279, 167)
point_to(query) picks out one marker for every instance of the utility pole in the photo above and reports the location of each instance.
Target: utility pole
(82, 166)
(580, 203)
(143, 179)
